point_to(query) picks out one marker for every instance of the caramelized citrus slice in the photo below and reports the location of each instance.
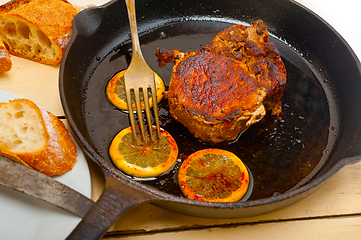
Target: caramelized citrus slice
(213, 175)
(143, 158)
(116, 91)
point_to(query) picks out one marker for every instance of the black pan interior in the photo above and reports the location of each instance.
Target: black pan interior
(321, 101)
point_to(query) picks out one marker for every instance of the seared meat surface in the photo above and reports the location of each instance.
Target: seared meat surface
(222, 89)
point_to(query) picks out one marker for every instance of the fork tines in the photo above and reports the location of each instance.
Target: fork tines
(144, 91)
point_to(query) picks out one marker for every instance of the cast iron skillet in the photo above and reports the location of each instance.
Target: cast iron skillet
(289, 158)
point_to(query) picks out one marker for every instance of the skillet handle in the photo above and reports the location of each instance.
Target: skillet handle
(116, 199)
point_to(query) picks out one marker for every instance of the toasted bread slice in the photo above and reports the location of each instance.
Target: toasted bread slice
(38, 30)
(35, 138)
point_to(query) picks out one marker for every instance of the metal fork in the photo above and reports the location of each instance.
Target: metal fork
(139, 78)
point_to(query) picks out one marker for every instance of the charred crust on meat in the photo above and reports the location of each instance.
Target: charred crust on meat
(254, 50)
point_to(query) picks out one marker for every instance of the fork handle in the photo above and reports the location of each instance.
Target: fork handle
(133, 25)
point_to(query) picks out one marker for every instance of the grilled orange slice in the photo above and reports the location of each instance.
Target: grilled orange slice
(143, 159)
(115, 91)
(213, 175)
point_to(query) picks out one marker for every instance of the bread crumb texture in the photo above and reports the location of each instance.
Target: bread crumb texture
(38, 30)
(35, 137)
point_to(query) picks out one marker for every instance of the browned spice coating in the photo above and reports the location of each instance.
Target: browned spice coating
(207, 87)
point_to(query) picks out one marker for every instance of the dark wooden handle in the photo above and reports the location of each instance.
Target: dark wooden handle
(116, 199)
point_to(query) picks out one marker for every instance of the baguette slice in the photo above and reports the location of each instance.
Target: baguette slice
(38, 30)
(5, 60)
(35, 138)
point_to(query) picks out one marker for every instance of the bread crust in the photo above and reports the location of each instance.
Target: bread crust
(52, 17)
(56, 156)
(5, 59)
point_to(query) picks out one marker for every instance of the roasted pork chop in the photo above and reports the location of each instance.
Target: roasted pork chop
(223, 88)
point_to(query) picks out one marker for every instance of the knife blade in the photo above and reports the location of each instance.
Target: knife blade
(31, 182)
